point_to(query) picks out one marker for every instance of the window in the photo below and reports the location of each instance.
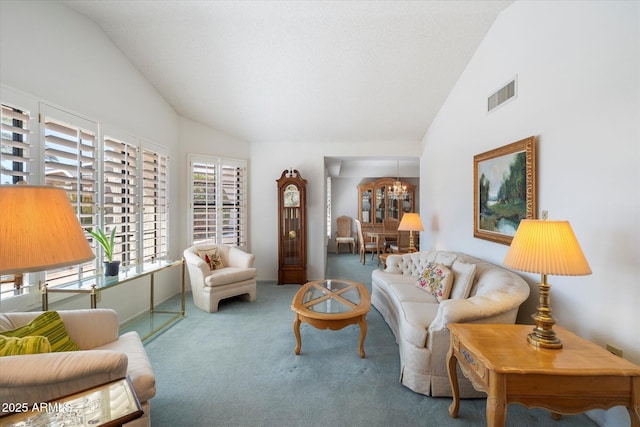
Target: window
(14, 145)
(328, 207)
(155, 215)
(70, 162)
(112, 180)
(120, 197)
(218, 200)
(15, 166)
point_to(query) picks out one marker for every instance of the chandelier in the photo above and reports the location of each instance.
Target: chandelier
(397, 191)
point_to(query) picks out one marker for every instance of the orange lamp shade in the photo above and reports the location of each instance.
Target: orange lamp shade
(39, 230)
(410, 222)
(546, 247)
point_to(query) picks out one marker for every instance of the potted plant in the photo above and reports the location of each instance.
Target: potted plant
(111, 267)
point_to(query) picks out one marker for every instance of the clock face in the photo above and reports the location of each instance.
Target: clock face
(291, 196)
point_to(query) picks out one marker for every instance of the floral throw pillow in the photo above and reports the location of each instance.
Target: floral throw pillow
(437, 280)
(212, 257)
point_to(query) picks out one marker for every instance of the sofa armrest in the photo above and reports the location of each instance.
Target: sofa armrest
(480, 309)
(240, 258)
(89, 328)
(394, 264)
(195, 261)
(42, 377)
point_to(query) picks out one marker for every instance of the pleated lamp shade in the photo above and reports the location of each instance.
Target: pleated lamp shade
(546, 247)
(39, 230)
(410, 222)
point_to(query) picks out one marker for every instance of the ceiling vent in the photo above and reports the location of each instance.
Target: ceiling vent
(502, 95)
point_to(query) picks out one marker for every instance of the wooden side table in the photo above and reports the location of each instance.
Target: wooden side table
(581, 376)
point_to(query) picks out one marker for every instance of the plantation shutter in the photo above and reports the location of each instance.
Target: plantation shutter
(233, 203)
(120, 194)
(155, 205)
(15, 166)
(218, 200)
(328, 183)
(204, 201)
(70, 159)
(14, 145)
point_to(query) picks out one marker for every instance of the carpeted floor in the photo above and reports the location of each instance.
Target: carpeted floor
(236, 367)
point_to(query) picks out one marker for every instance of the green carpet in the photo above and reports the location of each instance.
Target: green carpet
(236, 367)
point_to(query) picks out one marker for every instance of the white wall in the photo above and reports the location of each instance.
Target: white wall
(55, 55)
(344, 201)
(578, 67)
(268, 162)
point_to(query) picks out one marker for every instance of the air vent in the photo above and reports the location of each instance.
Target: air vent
(502, 95)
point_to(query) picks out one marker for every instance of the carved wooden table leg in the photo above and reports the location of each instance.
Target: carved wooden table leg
(453, 379)
(497, 400)
(296, 331)
(634, 409)
(363, 333)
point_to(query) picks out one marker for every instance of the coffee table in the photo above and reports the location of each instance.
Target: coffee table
(331, 304)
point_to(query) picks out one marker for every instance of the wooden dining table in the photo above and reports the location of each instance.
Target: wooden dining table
(379, 237)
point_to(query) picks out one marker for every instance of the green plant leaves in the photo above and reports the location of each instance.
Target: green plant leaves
(107, 243)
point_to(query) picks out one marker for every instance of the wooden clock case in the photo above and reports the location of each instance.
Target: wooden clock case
(292, 228)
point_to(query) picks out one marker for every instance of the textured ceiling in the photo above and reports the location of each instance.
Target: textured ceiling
(300, 70)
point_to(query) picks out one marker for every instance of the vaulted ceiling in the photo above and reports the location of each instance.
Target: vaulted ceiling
(300, 70)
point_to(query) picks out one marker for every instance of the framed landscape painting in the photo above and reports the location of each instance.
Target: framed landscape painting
(504, 190)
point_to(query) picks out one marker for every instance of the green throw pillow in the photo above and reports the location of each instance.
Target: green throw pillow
(13, 346)
(49, 325)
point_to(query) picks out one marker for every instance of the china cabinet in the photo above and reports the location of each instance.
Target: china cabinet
(374, 203)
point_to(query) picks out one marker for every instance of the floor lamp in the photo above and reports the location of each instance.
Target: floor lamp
(546, 247)
(39, 230)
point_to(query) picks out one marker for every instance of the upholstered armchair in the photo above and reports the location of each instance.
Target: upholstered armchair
(217, 272)
(103, 356)
(344, 234)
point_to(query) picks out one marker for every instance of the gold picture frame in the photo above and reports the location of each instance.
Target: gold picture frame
(504, 190)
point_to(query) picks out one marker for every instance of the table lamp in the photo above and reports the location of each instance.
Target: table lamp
(411, 222)
(39, 230)
(546, 247)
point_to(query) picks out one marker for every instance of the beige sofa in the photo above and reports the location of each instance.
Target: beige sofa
(236, 277)
(419, 322)
(104, 356)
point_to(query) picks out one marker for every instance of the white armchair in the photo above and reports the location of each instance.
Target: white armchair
(236, 276)
(104, 356)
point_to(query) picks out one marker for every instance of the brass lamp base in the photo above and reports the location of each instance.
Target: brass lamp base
(543, 334)
(412, 247)
(543, 340)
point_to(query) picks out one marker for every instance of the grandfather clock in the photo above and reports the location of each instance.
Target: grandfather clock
(292, 228)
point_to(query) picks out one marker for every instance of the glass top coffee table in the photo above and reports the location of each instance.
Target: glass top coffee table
(331, 304)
